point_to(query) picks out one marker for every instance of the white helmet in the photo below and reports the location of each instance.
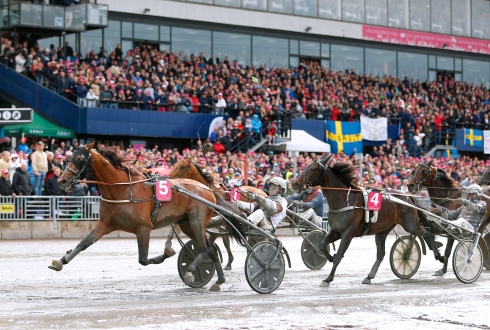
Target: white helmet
(279, 182)
(474, 189)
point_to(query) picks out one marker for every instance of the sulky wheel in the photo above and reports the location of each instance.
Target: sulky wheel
(203, 273)
(312, 257)
(467, 265)
(405, 257)
(264, 267)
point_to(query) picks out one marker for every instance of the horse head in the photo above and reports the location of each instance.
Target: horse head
(78, 167)
(312, 174)
(183, 169)
(421, 177)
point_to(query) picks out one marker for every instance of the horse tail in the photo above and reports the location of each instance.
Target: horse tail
(235, 231)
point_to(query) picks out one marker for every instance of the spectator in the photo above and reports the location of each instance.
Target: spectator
(21, 183)
(39, 168)
(13, 165)
(5, 184)
(5, 161)
(52, 188)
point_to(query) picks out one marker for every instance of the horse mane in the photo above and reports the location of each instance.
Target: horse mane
(118, 160)
(346, 174)
(484, 180)
(442, 176)
(208, 175)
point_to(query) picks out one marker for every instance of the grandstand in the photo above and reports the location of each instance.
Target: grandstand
(429, 41)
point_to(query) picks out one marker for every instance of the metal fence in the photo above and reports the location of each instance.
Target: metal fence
(49, 208)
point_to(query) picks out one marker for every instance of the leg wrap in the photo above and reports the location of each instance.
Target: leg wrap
(70, 255)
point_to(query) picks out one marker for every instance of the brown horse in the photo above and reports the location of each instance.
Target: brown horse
(129, 205)
(339, 182)
(444, 191)
(187, 169)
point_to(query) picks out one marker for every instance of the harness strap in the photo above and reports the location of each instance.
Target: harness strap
(345, 209)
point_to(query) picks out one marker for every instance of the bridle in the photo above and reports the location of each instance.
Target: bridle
(420, 183)
(189, 165)
(307, 183)
(81, 165)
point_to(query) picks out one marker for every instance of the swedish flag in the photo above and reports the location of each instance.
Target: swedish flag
(473, 137)
(344, 136)
(451, 153)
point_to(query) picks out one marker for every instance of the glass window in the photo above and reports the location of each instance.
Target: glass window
(75, 17)
(326, 64)
(432, 62)
(461, 17)
(353, 11)
(376, 12)
(31, 14)
(165, 47)
(190, 41)
(329, 9)
(293, 47)
(480, 16)
(254, 4)
(380, 62)
(432, 75)
(127, 30)
(458, 77)
(112, 36)
(228, 3)
(420, 15)
(309, 48)
(412, 65)
(146, 32)
(325, 50)
(347, 58)
(457, 64)
(273, 51)
(398, 13)
(164, 33)
(476, 72)
(46, 43)
(440, 15)
(90, 40)
(281, 6)
(53, 16)
(126, 45)
(235, 46)
(445, 63)
(293, 61)
(305, 7)
(210, 2)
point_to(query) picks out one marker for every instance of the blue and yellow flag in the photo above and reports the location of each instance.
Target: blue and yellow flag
(473, 137)
(450, 153)
(344, 137)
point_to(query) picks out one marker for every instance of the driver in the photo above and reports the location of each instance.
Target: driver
(267, 213)
(471, 213)
(312, 199)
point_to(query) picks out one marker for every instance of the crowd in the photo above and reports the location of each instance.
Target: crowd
(144, 78)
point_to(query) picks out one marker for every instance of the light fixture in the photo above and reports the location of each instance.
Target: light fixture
(147, 10)
(308, 29)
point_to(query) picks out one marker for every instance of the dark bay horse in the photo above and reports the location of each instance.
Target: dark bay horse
(444, 191)
(187, 169)
(129, 205)
(339, 182)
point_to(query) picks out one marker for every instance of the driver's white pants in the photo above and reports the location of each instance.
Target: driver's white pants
(259, 219)
(463, 223)
(310, 214)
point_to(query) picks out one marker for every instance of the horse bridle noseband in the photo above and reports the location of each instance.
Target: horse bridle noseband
(81, 165)
(189, 165)
(419, 183)
(308, 183)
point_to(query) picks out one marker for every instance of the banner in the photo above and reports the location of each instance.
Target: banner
(374, 129)
(216, 122)
(486, 142)
(473, 137)
(344, 137)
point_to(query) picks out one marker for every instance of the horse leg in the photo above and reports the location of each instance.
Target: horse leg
(344, 244)
(94, 236)
(226, 243)
(168, 243)
(143, 239)
(380, 239)
(329, 238)
(213, 254)
(447, 254)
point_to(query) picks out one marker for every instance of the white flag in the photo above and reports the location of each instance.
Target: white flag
(374, 129)
(486, 142)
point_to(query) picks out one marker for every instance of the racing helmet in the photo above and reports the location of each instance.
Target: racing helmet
(474, 190)
(279, 182)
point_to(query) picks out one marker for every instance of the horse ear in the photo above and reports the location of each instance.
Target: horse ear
(325, 160)
(430, 162)
(90, 146)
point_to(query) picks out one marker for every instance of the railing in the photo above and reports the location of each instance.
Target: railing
(52, 208)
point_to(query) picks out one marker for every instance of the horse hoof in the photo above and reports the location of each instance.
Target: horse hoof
(438, 273)
(324, 284)
(169, 252)
(188, 278)
(227, 267)
(215, 288)
(56, 265)
(366, 281)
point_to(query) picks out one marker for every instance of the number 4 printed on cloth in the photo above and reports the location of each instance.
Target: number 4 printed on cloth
(375, 200)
